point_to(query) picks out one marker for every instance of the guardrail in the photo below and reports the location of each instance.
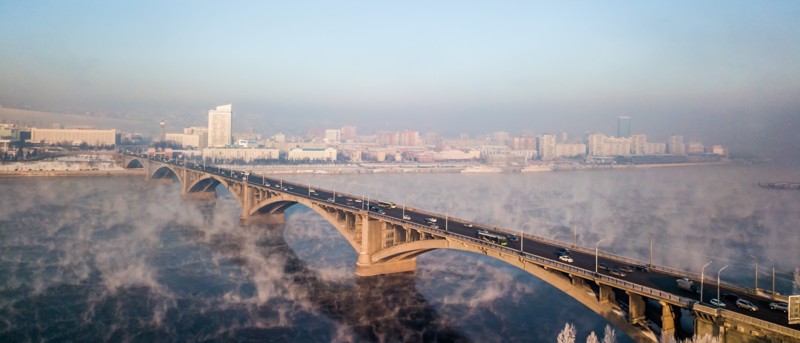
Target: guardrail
(761, 323)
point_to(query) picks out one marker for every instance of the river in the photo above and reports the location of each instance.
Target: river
(114, 259)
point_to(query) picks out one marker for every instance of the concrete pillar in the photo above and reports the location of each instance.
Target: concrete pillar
(372, 242)
(636, 307)
(576, 280)
(704, 324)
(667, 320)
(247, 201)
(606, 294)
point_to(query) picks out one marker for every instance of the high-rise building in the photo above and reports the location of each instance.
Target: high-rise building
(547, 147)
(409, 138)
(500, 137)
(349, 133)
(623, 126)
(638, 143)
(219, 126)
(333, 136)
(675, 145)
(594, 144)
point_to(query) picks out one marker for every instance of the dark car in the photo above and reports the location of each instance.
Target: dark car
(512, 237)
(627, 269)
(562, 251)
(730, 296)
(603, 266)
(617, 272)
(645, 269)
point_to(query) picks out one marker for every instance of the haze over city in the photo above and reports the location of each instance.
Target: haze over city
(719, 72)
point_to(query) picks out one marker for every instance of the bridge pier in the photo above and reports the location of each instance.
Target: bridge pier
(669, 320)
(372, 241)
(636, 307)
(606, 294)
(576, 280)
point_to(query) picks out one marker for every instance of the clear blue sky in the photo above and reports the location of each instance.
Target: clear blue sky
(543, 66)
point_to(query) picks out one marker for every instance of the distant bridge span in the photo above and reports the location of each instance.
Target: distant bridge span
(386, 242)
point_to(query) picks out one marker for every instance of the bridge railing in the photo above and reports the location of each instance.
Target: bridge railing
(606, 255)
(763, 324)
(564, 267)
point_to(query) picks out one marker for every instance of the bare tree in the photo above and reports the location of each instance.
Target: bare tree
(609, 336)
(567, 335)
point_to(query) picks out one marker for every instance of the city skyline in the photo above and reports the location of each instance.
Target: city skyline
(723, 72)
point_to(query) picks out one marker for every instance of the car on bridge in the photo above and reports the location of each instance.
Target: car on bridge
(730, 297)
(512, 237)
(603, 266)
(430, 220)
(565, 258)
(406, 217)
(562, 251)
(468, 225)
(617, 272)
(741, 303)
(779, 306)
(716, 302)
(626, 269)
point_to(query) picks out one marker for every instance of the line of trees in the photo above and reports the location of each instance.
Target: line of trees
(569, 335)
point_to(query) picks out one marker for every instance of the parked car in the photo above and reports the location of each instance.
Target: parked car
(779, 306)
(716, 302)
(741, 303)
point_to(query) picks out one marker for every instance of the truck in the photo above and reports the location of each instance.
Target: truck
(687, 285)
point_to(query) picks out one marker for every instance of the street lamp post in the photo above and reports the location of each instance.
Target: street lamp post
(720, 271)
(702, 279)
(756, 275)
(574, 236)
(596, 253)
(651, 251)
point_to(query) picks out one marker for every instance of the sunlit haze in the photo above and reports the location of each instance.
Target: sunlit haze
(720, 72)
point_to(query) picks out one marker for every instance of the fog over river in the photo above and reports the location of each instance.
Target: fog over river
(114, 259)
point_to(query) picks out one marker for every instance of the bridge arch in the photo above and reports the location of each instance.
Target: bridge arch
(205, 184)
(166, 172)
(134, 163)
(279, 203)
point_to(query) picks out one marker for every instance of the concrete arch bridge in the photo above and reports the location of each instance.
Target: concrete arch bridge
(388, 240)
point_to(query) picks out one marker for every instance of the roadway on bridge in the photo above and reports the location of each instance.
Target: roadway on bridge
(651, 278)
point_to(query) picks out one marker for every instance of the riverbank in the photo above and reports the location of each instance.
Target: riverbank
(59, 173)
